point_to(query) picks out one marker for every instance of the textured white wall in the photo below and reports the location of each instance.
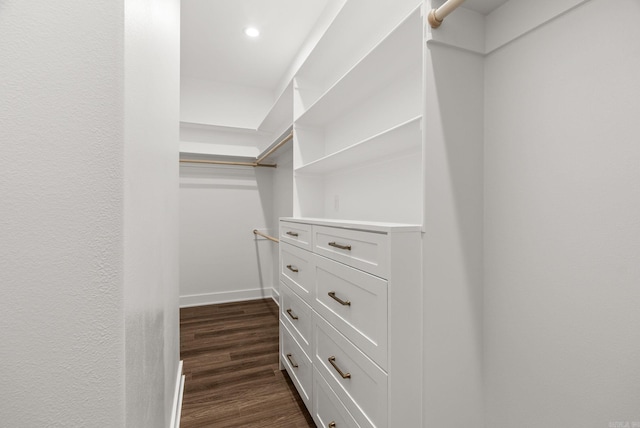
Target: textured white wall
(61, 230)
(562, 237)
(152, 97)
(88, 179)
(220, 259)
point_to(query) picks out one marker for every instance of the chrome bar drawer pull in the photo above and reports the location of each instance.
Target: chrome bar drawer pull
(342, 247)
(332, 360)
(295, 366)
(290, 312)
(331, 425)
(292, 234)
(292, 269)
(332, 294)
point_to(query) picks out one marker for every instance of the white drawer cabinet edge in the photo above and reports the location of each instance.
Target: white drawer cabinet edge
(296, 270)
(405, 330)
(298, 365)
(297, 316)
(298, 234)
(364, 320)
(364, 390)
(327, 407)
(364, 250)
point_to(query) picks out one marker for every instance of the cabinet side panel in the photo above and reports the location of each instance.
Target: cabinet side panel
(405, 330)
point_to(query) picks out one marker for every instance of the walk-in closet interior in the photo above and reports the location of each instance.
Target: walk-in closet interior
(320, 213)
(355, 163)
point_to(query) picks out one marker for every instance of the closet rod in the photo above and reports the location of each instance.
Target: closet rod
(274, 148)
(270, 238)
(258, 161)
(436, 16)
(217, 162)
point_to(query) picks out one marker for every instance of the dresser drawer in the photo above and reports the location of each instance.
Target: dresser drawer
(296, 270)
(297, 364)
(355, 303)
(327, 408)
(366, 251)
(298, 234)
(297, 316)
(359, 383)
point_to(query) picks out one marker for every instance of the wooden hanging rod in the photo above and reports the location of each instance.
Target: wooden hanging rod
(436, 16)
(257, 163)
(218, 162)
(274, 148)
(270, 238)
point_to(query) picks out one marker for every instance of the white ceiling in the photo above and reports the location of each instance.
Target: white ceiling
(214, 46)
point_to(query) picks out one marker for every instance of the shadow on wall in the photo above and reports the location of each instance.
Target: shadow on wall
(453, 244)
(455, 170)
(218, 177)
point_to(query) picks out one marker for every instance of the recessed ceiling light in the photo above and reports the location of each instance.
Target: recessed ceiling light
(251, 32)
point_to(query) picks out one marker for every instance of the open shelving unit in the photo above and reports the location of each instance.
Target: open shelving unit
(384, 62)
(358, 136)
(358, 156)
(279, 118)
(400, 140)
(205, 141)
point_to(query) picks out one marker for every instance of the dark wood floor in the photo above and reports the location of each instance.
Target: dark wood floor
(232, 378)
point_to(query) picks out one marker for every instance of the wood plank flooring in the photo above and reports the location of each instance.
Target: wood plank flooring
(232, 378)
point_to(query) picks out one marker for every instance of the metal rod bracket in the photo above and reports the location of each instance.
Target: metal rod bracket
(433, 20)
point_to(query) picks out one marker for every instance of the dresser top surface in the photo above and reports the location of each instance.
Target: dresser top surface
(371, 226)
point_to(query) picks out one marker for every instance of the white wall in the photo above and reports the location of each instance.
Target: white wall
(61, 257)
(282, 195)
(151, 106)
(220, 258)
(202, 139)
(82, 333)
(453, 221)
(562, 237)
(223, 104)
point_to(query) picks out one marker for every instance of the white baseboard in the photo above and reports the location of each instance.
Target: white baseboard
(176, 411)
(275, 295)
(227, 297)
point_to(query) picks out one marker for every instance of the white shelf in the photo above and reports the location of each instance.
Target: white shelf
(401, 49)
(400, 139)
(280, 116)
(358, 122)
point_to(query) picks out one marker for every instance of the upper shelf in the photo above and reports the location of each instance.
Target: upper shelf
(280, 116)
(400, 139)
(399, 50)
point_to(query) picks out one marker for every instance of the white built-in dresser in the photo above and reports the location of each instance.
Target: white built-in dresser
(351, 320)
(351, 256)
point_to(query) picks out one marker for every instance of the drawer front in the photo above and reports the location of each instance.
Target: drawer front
(355, 303)
(296, 315)
(296, 270)
(297, 234)
(359, 383)
(297, 364)
(366, 251)
(327, 408)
